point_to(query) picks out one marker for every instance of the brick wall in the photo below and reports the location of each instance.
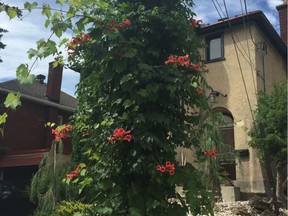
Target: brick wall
(25, 128)
(282, 9)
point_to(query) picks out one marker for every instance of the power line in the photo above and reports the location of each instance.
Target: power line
(220, 8)
(239, 63)
(248, 47)
(216, 9)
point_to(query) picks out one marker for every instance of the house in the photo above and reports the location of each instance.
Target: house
(244, 54)
(26, 140)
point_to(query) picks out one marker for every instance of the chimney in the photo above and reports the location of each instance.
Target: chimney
(54, 82)
(40, 78)
(282, 10)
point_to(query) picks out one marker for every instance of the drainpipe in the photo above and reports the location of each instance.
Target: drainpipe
(263, 48)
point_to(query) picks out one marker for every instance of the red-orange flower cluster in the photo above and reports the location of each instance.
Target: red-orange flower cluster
(113, 26)
(181, 60)
(195, 23)
(120, 134)
(196, 67)
(74, 173)
(199, 91)
(62, 132)
(77, 40)
(210, 153)
(167, 168)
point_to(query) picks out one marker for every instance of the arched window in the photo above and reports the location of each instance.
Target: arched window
(227, 135)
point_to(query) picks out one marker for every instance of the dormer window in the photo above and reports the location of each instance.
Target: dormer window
(215, 48)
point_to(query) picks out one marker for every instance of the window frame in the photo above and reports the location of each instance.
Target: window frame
(207, 42)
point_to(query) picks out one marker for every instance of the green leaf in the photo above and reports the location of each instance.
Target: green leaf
(126, 78)
(23, 76)
(3, 118)
(131, 53)
(12, 12)
(143, 93)
(12, 101)
(31, 53)
(71, 12)
(29, 6)
(61, 2)
(51, 48)
(102, 4)
(46, 10)
(22, 70)
(195, 84)
(47, 23)
(41, 52)
(63, 41)
(145, 67)
(27, 80)
(84, 183)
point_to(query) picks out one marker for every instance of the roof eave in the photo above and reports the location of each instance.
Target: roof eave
(259, 18)
(41, 101)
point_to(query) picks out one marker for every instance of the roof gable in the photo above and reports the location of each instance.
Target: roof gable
(255, 16)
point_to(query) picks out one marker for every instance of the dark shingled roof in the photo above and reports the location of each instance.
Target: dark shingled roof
(37, 92)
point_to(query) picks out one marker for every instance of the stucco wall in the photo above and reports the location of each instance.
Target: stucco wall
(237, 77)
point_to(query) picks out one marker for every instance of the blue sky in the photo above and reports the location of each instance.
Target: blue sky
(24, 33)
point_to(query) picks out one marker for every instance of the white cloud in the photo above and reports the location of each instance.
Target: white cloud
(206, 10)
(23, 35)
(273, 3)
(272, 19)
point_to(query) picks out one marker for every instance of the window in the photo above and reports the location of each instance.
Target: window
(215, 48)
(227, 133)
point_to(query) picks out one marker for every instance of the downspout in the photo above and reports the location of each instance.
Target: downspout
(263, 48)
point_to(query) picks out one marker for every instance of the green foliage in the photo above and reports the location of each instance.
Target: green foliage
(2, 46)
(30, 6)
(271, 115)
(72, 208)
(11, 11)
(125, 83)
(47, 187)
(12, 101)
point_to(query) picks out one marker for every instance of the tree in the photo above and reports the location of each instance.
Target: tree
(271, 116)
(140, 97)
(2, 46)
(126, 87)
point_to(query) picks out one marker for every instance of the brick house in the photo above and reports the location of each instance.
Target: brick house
(26, 140)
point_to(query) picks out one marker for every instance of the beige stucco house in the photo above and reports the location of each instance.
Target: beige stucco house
(244, 54)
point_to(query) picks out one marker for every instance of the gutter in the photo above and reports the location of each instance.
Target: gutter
(41, 101)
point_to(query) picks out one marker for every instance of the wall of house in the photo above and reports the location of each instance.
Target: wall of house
(25, 128)
(271, 65)
(239, 80)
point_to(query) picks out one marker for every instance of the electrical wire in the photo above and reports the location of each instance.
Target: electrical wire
(239, 63)
(250, 32)
(248, 47)
(216, 9)
(220, 8)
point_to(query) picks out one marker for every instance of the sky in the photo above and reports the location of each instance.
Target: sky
(23, 34)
